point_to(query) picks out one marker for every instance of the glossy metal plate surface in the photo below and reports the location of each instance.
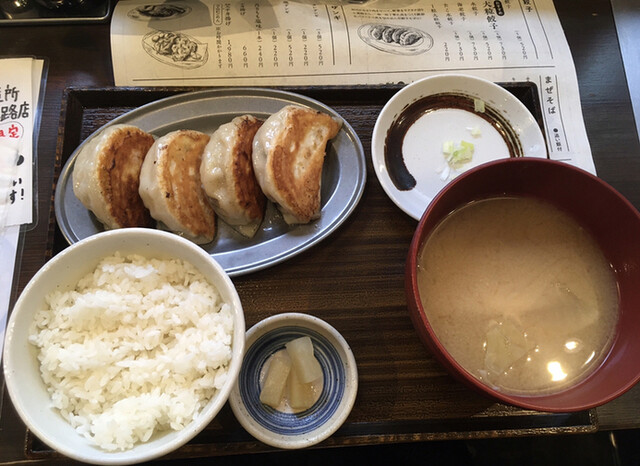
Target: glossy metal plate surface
(343, 177)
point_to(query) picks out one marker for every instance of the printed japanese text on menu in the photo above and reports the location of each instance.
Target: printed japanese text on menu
(286, 43)
(19, 90)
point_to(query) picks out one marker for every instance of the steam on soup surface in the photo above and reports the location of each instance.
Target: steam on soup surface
(519, 294)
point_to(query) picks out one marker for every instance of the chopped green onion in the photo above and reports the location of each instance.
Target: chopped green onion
(478, 105)
(455, 156)
(461, 155)
(447, 147)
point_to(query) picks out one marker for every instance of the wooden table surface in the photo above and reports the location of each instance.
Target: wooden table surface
(370, 272)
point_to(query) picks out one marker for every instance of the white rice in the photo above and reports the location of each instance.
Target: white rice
(139, 346)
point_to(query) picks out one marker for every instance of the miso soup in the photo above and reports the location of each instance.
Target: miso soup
(519, 294)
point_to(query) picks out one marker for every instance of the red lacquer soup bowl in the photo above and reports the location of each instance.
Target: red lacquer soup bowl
(613, 222)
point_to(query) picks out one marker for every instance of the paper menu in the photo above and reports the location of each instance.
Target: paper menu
(280, 43)
(20, 82)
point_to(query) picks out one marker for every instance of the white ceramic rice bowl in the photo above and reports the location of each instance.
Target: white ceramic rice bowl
(21, 367)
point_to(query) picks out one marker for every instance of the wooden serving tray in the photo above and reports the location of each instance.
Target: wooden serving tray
(354, 280)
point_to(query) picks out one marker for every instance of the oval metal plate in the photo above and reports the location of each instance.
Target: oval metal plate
(343, 176)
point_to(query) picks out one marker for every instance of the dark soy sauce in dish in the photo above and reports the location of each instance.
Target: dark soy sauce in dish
(402, 179)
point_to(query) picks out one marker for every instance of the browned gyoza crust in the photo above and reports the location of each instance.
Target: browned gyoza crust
(178, 172)
(248, 192)
(296, 169)
(118, 170)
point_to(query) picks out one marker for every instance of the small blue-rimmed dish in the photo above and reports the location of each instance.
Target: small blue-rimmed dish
(284, 427)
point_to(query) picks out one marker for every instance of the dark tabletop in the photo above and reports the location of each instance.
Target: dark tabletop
(360, 268)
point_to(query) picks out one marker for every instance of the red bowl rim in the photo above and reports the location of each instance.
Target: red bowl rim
(528, 401)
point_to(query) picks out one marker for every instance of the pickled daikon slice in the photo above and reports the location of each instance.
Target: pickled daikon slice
(276, 379)
(304, 362)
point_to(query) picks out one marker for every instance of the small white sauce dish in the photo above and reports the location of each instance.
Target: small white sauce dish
(286, 429)
(503, 128)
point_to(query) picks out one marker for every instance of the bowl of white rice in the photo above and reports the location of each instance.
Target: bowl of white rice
(124, 346)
